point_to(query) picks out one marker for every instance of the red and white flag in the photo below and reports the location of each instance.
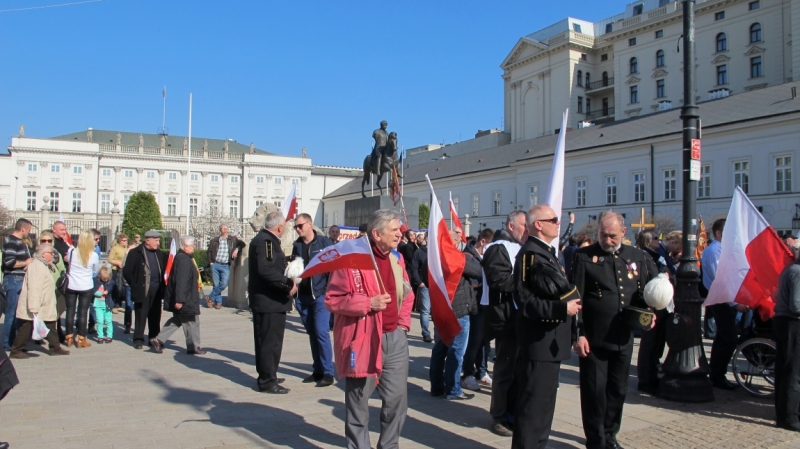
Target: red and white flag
(752, 259)
(445, 266)
(404, 220)
(67, 238)
(289, 208)
(355, 253)
(454, 219)
(170, 260)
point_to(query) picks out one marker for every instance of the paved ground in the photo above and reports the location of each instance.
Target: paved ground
(112, 396)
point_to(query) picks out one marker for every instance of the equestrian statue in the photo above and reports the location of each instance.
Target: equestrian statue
(382, 160)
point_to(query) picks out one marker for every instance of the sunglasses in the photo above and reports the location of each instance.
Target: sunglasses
(553, 220)
(46, 241)
(299, 226)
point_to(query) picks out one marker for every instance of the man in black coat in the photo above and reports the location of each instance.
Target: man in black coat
(419, 280)
(652, 344)
(270, 293)
(609, 276)
(546, 307)
(144, 273)
(182, 298)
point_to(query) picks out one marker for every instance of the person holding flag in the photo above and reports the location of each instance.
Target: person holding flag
(372, 305)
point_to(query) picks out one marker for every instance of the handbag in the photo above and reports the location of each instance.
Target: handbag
(62, 283)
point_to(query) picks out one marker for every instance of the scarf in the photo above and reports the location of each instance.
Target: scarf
(48, 264)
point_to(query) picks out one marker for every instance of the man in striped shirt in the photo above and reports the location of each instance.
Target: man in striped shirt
(16, 258)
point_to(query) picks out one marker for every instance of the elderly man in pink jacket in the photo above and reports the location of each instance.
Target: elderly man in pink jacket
(373, 315)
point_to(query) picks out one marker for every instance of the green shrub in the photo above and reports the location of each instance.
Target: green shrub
(141, 215)
(424, 215)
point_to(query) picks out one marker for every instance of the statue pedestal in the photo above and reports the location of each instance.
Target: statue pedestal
(237, 284)
(357, 211)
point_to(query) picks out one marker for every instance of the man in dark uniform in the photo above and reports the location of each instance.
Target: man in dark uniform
(544, 328)
(609, 277)
(270, 294)
(652, 344)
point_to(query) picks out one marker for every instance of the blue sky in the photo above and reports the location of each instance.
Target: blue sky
(284, 75)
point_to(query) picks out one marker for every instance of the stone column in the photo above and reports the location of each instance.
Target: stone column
(466, 225)
(115, 219)
(45, 224)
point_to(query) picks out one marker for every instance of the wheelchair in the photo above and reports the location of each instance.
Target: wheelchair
(753, 363)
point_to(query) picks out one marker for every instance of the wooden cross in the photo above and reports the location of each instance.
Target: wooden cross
(642, 225)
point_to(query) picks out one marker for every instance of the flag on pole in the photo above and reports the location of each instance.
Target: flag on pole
(445, 266)
(355, 253)
(170, 260)
(454, 219)
(752, 259)
(164, 92)
(555, 192)
(68, 237)
(395, 193)
(289, 208)
(404, 221)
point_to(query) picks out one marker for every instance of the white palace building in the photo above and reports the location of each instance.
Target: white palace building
(621, 79)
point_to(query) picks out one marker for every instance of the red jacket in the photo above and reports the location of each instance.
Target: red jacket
(357, 331)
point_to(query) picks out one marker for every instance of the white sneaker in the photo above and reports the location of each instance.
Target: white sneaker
(486, 381)
(470, 383)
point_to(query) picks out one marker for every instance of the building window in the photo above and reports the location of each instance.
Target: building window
(193, 207)
(125, 199)
(295, 181)
(634, 65)
(278, 180)
(233, 209)
(752, 6)
(128, 173)
(588, 79)
(609, 27)
(533, 194)
(722, 74)
(57, 169)
(719, 15)
(634, 94)
(335, 217)
(755, 67)
(54, 206)
(277, 203)
(722, 42)
(611, 189)
(588, 105)
(496, 207)
(659, 34)
(213, 206)
(704, 184)
(783, 174)
(105, 203)
(576, 27)
(150, 175)
(214, 178)
(260, 202)
(172, 206)
(580, 78)
(580, 105)
(31, 200)
(741, 175)
(580, 192)
(172, 176)
(77, 203)
(77, 170)
(632, 42)
(637, 10)
(638, 188)
(259, 180)
(660, 90)
(660, 58)
(476, 202)
(106, 172)
(670, 184)
(583, 56)
(194, 176)
(234, 180)
(32, 167)
(755, 33)
(604, 57)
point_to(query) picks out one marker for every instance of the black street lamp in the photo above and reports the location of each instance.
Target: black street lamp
(686, 368)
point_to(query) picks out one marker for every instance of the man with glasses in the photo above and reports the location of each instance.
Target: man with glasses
(222, 250)
(310, 301)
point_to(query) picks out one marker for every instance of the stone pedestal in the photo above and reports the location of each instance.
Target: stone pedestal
(237, 283)
(357, 211)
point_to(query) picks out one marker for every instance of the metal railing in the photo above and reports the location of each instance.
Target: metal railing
(600, 113)
(602, 83)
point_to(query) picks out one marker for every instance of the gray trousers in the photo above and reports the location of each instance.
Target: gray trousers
(191, 329)
(393, 390)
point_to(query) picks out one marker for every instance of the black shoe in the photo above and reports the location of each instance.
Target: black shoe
(198, 351)
(427, 339)
(789, 426)
(437, 394)
(127, 330)
(281, 380)
(326, 381)
(137, 345)
(311, 379)
(100, 341)
(275, 389)
(501, 428)
(156, 346)
(648, 388)
(724, 384)
(613, 445)
(3, 445)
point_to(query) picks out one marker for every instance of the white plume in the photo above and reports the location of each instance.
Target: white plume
(295, 269)
(658, 293)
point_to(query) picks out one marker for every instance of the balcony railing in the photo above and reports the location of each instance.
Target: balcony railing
(600, 113)
(170, 152)
(608, 82)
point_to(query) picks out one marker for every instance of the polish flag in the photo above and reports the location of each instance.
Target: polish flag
(454, 217)
(752, 259)
(445, 266)
(68, 237)
(555, 192)
(351, 253)
(170, 260)
(403, 221)
(289, 208)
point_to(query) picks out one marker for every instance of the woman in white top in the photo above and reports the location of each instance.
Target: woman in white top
(83, 264)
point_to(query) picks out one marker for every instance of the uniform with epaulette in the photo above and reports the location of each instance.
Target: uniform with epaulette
(268, 293)
(544, 335)
(611, 286)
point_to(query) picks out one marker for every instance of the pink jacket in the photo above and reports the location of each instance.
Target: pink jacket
(357, 331)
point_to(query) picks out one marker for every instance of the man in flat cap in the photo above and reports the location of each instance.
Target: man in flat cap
(144, 273)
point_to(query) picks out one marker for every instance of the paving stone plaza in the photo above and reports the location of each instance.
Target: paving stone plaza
(112, 396)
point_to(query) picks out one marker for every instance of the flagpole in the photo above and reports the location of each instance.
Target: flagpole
(375, 264)
(449, 206)
(189, 168)
(371, 185)
(402, 171)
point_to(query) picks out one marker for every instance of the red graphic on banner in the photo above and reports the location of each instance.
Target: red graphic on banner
(696, 149)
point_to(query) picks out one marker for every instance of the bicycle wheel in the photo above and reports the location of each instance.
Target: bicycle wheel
(753, 366)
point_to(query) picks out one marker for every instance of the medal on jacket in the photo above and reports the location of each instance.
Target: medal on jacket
(594, 259)
(632, 270)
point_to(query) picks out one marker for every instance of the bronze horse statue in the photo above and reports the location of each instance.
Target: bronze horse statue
(388, 161)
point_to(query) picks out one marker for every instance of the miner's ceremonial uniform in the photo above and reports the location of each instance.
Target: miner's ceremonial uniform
(544, 335)
(607, 283)
(268, 292)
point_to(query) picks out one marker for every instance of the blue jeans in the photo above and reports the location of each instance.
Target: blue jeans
(476, 358)
(316, 319)
(424, 310)
(128, 318)
(220, 273)
(12, 284)
(445, 372)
